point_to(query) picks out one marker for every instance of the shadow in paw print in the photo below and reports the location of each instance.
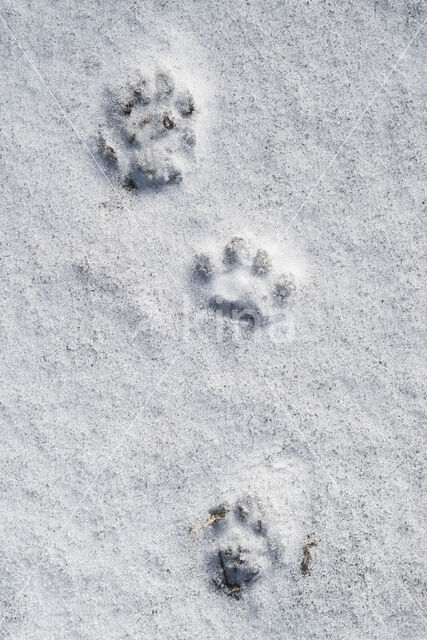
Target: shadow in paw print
(234, 252)
(203, 268)
(141, 178)
(241, 551)
(284, 288)
(149, 135)
(245, 286)
(245, 312)
(234, 572)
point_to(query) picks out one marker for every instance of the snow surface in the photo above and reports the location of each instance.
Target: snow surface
(128, 413)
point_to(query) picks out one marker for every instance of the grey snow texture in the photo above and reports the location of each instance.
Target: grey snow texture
(212, 289)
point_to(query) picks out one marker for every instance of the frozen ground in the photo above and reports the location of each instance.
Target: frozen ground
(167, 472)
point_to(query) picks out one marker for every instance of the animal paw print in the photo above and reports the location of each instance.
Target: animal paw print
(245, 284)
(240, 551)
(149, 139)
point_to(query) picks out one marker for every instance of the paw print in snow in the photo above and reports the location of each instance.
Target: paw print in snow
(149, 138)
(240, 552)
(247, 284)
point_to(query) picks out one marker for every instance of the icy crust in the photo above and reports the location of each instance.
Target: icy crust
(148, 139)
(247, 281)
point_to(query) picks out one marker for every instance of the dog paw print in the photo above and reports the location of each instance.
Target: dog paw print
(240, 552)
(244, 283)
(149, 139)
